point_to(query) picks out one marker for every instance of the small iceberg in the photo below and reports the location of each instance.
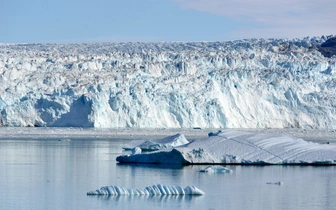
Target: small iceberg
(150, 190)
(152, 145)
(276, 183)
(216, 169)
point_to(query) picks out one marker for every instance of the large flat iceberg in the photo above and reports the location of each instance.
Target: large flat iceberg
(150, 190)
(239, 147)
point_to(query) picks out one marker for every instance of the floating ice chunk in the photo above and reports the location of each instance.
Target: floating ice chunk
(238, 147)
(152, 145)
(216, 169)
(150, 190)
(192, 190)
(276, 183)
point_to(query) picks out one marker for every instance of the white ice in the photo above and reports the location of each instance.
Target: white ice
(238, 147)
(136, 150)
(152, 145)
(256, 83)
(150, 190)
(216, 169)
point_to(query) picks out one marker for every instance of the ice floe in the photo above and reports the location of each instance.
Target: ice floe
(239, 147)
(150, 190)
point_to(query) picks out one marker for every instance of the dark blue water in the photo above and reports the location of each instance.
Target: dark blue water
(46, 173)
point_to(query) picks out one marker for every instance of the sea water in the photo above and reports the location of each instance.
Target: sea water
(43, 171)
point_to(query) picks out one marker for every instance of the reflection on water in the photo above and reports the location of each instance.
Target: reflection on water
(52, 174)
(150, 166)
(148, 202)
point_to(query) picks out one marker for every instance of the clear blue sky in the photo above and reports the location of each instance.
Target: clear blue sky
(74, 21)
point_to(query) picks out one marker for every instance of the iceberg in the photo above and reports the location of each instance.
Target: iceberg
(216, 169)
(152, 145)
(150, 190)
(240, 147)
(276, 183)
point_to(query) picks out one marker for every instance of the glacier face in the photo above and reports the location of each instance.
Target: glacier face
(257, 83)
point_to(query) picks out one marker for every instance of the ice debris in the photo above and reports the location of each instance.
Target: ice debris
(216, 169)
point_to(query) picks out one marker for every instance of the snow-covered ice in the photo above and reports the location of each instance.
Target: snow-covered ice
(150, 190)
(216, 169)
(152, 145)
(239, 147)
(257, 83)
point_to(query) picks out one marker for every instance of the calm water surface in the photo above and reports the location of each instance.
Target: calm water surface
(46, 173)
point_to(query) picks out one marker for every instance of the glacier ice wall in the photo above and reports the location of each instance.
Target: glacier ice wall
(257, 83)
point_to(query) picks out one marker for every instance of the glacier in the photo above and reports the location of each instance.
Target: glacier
(243, 148)
(150, 190)
(255, 83)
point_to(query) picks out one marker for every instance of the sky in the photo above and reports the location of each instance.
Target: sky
(80, 21)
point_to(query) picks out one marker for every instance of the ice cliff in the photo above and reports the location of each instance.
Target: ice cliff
(257, 83)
